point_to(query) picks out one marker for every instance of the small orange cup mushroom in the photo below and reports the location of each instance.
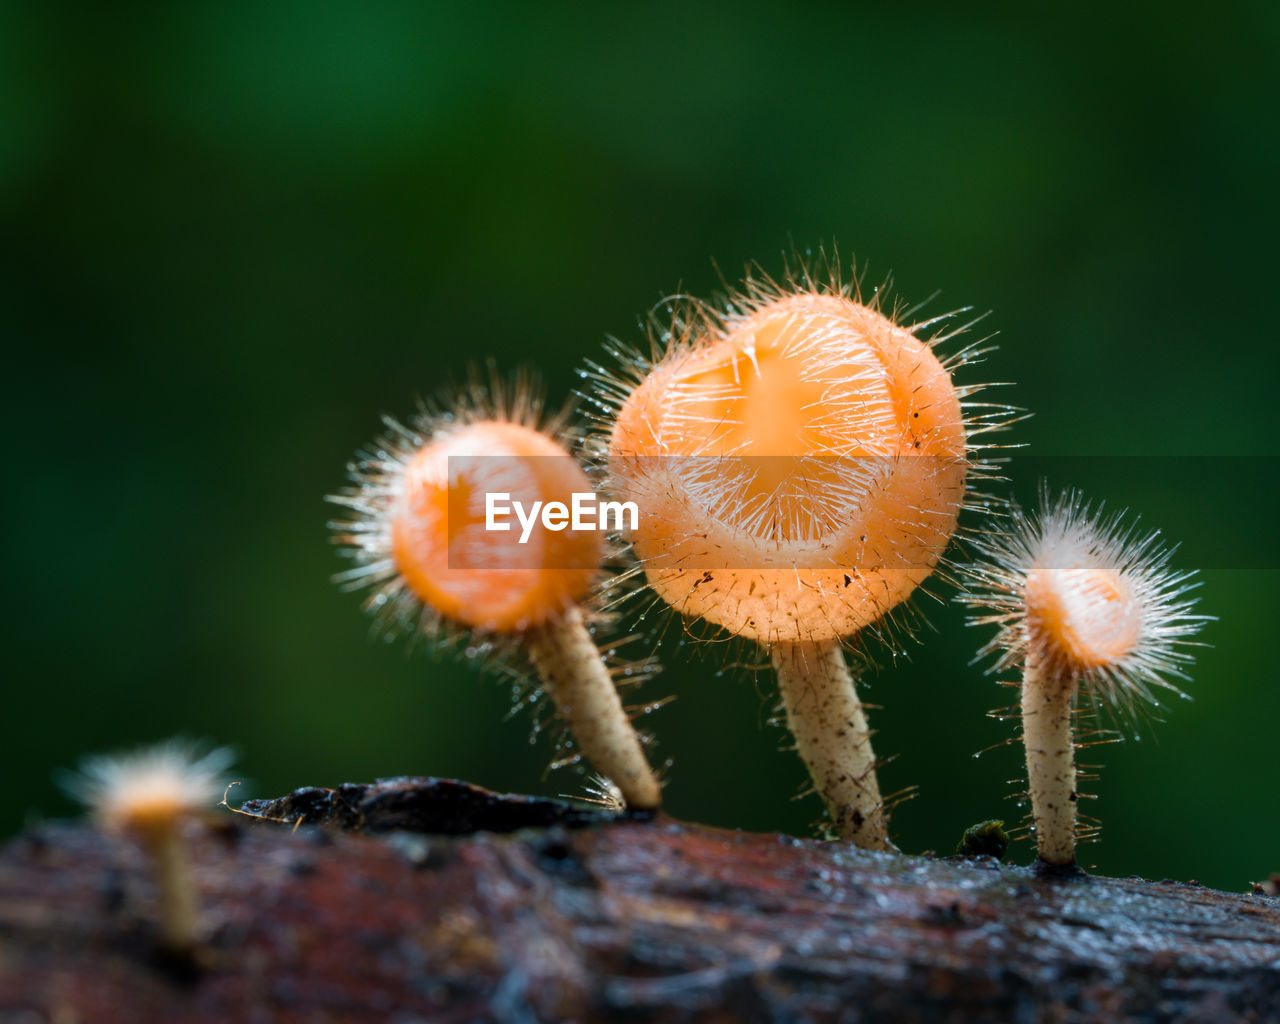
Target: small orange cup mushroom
(1086, 608)
(799, 463)
(427, 540)
(149, 795)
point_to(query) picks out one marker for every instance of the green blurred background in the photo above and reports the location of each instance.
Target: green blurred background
(232, 235)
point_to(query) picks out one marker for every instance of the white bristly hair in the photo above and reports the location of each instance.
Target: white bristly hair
(138, 786)
(1064, 541)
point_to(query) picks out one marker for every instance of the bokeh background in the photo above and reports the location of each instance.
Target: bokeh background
(233, 235)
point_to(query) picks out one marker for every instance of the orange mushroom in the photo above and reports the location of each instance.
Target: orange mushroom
(149, 795)
(799, 462)
(1085, 607)
(425, 541)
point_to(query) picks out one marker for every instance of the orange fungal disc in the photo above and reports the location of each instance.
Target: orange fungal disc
(482, 578)
(1085, 616)
(799, 471)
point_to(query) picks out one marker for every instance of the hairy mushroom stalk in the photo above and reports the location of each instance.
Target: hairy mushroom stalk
(424, 544)
(1091, 612)
(148, 795)
(799, 461)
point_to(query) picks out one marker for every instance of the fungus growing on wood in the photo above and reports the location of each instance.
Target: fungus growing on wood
(799, 461)
(149, 795)
(425, 547)
(1094, 617)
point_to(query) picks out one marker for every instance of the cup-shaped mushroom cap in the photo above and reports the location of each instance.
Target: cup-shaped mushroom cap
(491, 579)
(147, 792)
(798, 471)
(1084, 618)
(1082, 599)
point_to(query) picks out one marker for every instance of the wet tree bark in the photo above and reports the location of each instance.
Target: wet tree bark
(419, 899)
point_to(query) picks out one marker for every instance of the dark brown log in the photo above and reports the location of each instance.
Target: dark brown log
(559, 913)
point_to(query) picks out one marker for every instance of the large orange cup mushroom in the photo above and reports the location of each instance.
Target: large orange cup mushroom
(798, 465)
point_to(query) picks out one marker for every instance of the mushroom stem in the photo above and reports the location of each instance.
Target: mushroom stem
(830, 727)
(579, 683)
(179, 913)
(1051, 767)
